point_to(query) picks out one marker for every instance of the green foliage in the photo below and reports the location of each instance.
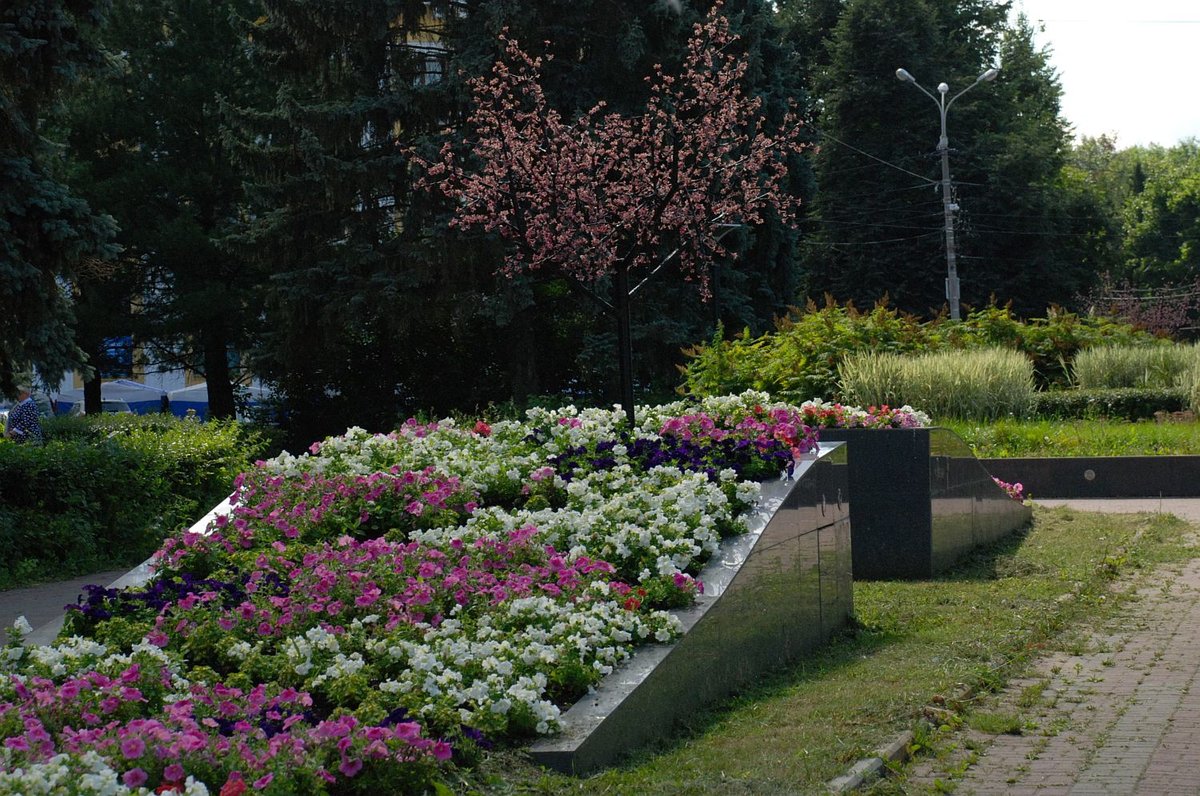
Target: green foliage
(1008, 438)
(105, 491)
(877, 221)
(982, 384)
(1189, 383)
(1162, 215)
(1053, 342)
(1123, 403)
(1134, 366)
(800, 360)
(47, 234)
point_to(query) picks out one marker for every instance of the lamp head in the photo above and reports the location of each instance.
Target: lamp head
(987, 76)
(943, 87)
(904, 77)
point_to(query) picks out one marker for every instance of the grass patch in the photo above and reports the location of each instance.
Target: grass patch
(996, 723)
(915, 644)
(1009, 438)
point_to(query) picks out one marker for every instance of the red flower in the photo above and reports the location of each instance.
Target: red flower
(483, 429)
(234, 786)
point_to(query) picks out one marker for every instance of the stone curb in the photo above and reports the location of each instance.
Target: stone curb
(869, 768)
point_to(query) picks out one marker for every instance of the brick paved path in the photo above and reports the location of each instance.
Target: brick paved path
(1117, 714)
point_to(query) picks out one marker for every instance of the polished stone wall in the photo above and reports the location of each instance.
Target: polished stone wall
(1102, 476)
(770, 596)
(921, 501)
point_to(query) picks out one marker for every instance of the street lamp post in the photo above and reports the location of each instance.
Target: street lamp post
(948, 206)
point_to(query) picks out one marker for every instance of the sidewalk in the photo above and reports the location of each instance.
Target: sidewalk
(44, 603)
(1118, 713)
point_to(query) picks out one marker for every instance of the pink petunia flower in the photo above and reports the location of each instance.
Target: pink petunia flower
(133, 748)
(134, 778)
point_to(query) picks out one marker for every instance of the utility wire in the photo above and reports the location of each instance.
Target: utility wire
(887, 163)
(836, 244)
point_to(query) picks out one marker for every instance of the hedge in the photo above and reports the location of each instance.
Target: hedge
(103, 492)
(799, 360)
(1125, 403)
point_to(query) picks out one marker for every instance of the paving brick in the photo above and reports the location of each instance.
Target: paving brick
(1122, 717)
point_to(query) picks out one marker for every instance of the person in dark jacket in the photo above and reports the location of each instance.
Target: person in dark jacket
(24, 422)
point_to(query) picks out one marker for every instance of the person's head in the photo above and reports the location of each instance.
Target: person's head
(24, 390)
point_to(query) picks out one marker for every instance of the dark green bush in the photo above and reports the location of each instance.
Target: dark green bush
(103, 492)
(1125, 403)
(800, 359)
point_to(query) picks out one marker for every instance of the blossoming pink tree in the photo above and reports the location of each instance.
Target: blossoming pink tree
(613, 196)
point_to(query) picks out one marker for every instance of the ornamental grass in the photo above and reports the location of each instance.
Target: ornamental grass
(1159, 366)
(977, 384)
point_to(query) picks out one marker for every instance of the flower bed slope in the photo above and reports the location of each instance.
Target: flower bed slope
(385, 606)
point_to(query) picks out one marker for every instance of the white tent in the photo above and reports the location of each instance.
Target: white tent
(196, 397)
(140, 397)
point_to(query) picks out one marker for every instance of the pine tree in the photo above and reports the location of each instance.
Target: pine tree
(877, 222)
(146, 144)
(1022, 240)
(48, 235)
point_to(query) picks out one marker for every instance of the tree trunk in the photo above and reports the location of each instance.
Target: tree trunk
(216, 372)
(522, 358)
(624, 339)
(92, 404)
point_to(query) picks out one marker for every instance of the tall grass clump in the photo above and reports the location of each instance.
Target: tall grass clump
(1118, 366)
(1189, 382)
(981, 384)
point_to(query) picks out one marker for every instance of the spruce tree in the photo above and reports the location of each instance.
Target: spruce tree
(877, 225)
(1022, 236)
(48, 235)
(146, 145)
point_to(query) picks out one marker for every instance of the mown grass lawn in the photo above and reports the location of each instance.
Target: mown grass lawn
(1011, 438)
(915, 644)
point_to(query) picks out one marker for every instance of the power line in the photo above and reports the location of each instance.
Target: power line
(836, 244)
(887, 163)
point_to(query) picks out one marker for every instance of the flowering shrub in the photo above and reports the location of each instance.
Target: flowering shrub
(387, 602)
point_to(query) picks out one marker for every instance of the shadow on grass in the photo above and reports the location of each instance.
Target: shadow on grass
(857, 641)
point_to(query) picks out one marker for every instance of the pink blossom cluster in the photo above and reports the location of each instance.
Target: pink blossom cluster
(312, 507)
(405, 583)
(782, 424)
(225, 734)
(1015, 491)
(697, 162)
(838, 416)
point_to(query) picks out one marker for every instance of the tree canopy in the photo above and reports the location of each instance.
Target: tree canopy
(48, 234)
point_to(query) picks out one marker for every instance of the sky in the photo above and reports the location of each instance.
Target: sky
(1127, 67)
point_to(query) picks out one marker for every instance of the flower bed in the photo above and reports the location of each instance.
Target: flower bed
(387, 605)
